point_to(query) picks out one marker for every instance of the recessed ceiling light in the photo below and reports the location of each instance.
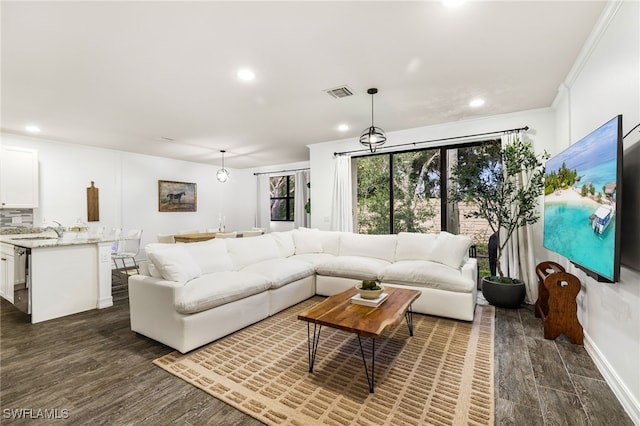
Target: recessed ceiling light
(452, 3)
(32, 129)
(246, 74)
(477, 102)
(343, 127)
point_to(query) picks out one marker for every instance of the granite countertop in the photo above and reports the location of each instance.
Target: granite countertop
(13, 230)
(50, 239)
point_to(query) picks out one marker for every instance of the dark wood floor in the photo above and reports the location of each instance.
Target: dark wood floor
(92, 369)
(546, 382)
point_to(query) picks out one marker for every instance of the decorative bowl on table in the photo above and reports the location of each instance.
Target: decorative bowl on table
(369, 289)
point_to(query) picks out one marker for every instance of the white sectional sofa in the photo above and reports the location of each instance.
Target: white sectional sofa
(188, 295)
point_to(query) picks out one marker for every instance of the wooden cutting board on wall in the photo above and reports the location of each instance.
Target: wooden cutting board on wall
(93, 209)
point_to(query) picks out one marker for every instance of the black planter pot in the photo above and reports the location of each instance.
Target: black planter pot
(503, 295)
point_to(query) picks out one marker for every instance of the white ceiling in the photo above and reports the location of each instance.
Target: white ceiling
(125, 75)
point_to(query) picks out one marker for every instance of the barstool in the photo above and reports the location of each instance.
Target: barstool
(127, 247)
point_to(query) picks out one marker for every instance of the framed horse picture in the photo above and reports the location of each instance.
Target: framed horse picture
(177, 196)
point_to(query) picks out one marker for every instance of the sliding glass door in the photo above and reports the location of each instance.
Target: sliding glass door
(416, 191)
(373, 188)
(415, 183)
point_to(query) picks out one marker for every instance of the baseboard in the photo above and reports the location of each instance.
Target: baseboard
(627, 400)
(105, 302)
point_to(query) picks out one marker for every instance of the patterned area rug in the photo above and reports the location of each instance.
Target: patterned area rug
(443, 375)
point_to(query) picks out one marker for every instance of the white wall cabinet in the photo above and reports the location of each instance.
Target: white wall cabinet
(18, 178)
(6, 271)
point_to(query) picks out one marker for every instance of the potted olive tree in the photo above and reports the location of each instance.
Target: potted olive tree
(503, 183)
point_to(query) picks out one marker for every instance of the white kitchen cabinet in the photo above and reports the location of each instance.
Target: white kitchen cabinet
(6, 271)
(18, 178)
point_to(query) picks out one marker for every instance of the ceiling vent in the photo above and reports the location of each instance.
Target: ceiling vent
(339, 92)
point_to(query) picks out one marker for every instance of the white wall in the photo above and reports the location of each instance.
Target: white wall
(541, 132)
(605, 82)
(128, 189)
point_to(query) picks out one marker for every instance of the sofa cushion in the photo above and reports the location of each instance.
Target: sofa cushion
(377, 246)
(307, 240)
(313, 258)
(284, 240)
(424, 273)
(217, 289)
(414, 246)
(153, 271)
(330, 241)
(247, 251)
(281, 271)
(356, 267)
(211, 256)
(450, 250)
(173, 262)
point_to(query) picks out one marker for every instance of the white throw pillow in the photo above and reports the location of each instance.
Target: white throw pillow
(376, 246)
(153, 271)
(247, 251)
(174, 262)
(415, 246)
(284, 240)
(211, 256)
(307, 241)
(330, 241)
(450, 249)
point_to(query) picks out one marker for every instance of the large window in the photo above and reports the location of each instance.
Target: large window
(410, 181)
(415, 184)
(282, 194)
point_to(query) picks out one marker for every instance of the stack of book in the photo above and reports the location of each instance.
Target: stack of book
(369, 302)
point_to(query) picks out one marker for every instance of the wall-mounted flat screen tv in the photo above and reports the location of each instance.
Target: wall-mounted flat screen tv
(582, 202)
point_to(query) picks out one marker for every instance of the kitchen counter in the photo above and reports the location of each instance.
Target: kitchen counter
(67, 275)
(46, 240)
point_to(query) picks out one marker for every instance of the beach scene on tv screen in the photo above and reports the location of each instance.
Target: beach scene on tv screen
(580, 201)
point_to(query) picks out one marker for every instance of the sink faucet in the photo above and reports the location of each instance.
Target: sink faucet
(59, 230)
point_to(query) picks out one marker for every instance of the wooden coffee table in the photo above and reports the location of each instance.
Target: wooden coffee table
(338, 312)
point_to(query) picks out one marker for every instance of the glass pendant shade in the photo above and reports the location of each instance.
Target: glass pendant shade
(372, 137)
(223, 174)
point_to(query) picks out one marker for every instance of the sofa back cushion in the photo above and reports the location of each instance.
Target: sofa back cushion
(307, 241)
(330, 241)
(451, 250)
(211, 256)
(247, 251)
(376, 246)
(173, 262)
(284, 240)
(415, 246)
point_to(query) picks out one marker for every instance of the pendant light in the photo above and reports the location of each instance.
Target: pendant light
(222, 174)
(373, 136)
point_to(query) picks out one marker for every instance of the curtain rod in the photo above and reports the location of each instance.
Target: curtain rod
(525, 128)
(280, 171)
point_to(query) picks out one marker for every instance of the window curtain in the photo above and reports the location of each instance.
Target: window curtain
(517, 258)
(300, 197)
(342, 210)
(263, 203)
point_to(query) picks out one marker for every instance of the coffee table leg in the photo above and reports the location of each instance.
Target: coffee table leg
(312, 343)
(409, 316)
(371, 380)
